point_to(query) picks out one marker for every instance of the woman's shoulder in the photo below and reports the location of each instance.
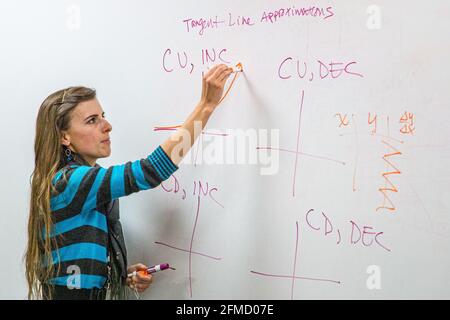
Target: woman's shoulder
(64, 170)
(62, 176)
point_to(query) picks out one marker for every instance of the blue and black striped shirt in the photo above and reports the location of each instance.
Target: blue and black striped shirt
(79, 215)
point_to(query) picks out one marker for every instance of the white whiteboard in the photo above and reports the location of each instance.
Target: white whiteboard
(255, 235)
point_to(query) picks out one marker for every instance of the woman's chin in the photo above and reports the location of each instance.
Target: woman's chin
(107, 149)
(105, 154)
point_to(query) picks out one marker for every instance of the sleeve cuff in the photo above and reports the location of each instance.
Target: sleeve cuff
(162, 163)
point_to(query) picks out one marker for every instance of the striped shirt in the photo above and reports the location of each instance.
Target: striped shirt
(79, 213)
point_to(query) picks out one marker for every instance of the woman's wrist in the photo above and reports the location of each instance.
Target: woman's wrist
(206, 108)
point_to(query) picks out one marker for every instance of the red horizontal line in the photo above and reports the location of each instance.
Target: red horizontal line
(175, 128)
(201, 254)
(303, 153)
(291, 277)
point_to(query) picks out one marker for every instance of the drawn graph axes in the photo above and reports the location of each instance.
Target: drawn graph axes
(294, 276)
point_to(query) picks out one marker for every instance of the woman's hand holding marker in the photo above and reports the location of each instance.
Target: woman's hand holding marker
(213, 85)
(139, 281)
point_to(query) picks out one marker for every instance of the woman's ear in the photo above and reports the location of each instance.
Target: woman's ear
(65, 139)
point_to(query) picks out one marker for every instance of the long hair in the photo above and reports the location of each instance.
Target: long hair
(53, 117)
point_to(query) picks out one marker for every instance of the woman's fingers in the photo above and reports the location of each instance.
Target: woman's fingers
(212, 70)
(140, 266)
(136, 267)
(141, 282)
(213, 84)
(140, 278)
(144, 278)
(216, 73)
(226, 74)
(141, 288)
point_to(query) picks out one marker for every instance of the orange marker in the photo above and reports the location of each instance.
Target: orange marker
(239, 66)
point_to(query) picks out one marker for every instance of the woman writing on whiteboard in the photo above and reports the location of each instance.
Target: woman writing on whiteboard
(75, 244)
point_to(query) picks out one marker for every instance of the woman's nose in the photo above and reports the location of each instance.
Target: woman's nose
(107, 126)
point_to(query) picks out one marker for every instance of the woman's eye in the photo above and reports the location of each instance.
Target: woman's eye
(91, 120)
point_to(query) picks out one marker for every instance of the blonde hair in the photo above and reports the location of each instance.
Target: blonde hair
(53, 117)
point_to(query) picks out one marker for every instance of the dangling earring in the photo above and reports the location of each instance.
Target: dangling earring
(68, 153)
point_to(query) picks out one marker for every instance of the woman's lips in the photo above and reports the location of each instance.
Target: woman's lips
(106, 141)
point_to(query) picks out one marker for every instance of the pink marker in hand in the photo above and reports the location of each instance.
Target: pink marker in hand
(153, 269)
